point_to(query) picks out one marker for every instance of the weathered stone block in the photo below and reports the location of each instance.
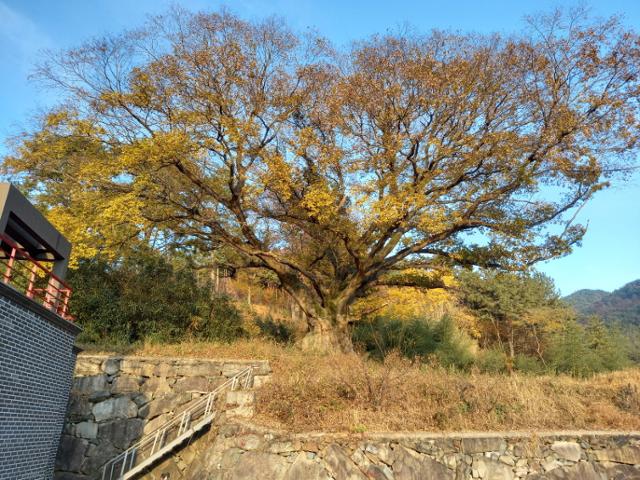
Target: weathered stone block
(616, 471)
(121, 433)
(240, 397)
(492, 470)
(120, 407)
(142, 368)
(199, 368)
(230, 457)
(628, 454)
(529, 449)
(71, 453)
(167, 403)
(87, 367)
(79, 408)
(86, 430)
(248, 442)
(97, 456)
(567, 450)
(99, 396)
(189, 384)
(141, 399)
(580, 471)
(381, 452)
(340, 465)
(111, 366)
(375, 472)
(157, 386)
(307, 469)
(229, 369)
(507, 460)
(550, 464)
(283, 447)
(164, 369)
(126, 384)
(408, 465)
(156, 423)
(481, 445)
(261, 367)
(258, 465)
(90, 384)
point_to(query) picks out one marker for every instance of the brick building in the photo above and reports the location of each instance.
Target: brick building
(37, 335)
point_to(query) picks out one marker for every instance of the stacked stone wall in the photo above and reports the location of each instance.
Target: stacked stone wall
(236, 451)
(114, 401)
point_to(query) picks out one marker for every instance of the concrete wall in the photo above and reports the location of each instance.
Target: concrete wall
(236, 451)
(36, 365)
(115, 400)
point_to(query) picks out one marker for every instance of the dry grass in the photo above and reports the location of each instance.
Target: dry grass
(347, 393)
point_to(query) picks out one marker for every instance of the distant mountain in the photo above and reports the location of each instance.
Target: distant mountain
(583, 300)
(622, 305)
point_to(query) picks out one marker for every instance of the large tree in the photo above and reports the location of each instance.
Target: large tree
(335, 169)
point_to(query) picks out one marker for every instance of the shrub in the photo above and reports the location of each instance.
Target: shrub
(95, 303)
(416, 338)
(570, 353)
(492, 360)
(608, 344)
(529, 364)
(223, 322)
(277, 331)
(582, 351)
(453, 347)
(146, 297)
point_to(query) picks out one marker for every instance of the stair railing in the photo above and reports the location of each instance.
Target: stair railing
(159, 440)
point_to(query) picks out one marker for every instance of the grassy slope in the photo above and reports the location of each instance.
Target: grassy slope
(347, 393)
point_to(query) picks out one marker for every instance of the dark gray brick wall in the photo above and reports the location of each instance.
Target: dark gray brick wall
(37, 359)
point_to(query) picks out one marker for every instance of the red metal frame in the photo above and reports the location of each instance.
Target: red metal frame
(55, 296)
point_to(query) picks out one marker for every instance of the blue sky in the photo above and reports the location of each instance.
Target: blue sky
(610, 254)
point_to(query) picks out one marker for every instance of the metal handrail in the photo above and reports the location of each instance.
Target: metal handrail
(55, 296)
(200, 408)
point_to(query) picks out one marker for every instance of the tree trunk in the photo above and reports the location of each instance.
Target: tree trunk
(328, 336)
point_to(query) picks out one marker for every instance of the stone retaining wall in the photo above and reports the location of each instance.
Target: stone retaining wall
(115, 400)
(235, 451)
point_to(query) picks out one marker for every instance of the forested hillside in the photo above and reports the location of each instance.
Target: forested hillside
(583, 300)
(620, 306)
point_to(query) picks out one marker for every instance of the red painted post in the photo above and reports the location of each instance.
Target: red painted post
(64, 306)
(9, 271)
(52, 293)
(32, 281)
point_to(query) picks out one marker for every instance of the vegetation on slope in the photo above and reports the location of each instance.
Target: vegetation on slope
(350, 393)
(495, 321)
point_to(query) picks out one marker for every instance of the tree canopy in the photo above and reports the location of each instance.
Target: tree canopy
(516, 310)
(337, 169)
